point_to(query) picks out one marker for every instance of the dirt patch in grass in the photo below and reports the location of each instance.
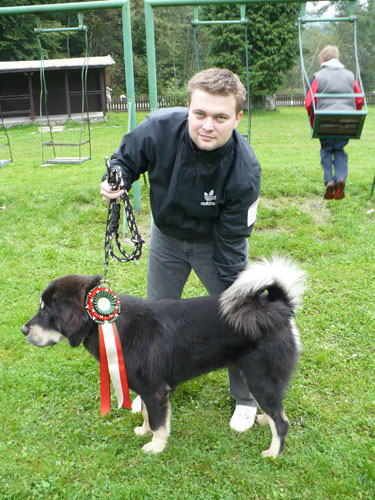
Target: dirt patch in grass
(316, 208)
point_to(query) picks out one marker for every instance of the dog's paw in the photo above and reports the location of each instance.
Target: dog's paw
(269, 453)
(142, 430)
(154, 447)
(262, 420)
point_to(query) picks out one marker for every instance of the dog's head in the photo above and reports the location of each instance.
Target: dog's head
(62, 312)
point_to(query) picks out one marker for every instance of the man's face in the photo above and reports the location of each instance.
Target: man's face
(212, 119)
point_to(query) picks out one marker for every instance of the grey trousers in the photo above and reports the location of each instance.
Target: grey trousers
(169, 265)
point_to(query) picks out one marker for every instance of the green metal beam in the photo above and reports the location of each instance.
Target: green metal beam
(325, 19)
(151, 56)
(176, 3)
(63, 7)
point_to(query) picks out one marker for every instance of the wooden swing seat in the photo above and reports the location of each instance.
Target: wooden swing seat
(338, 125)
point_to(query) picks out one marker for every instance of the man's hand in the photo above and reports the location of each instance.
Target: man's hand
(108, 194)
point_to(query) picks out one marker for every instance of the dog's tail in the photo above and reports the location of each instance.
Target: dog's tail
(263, 296)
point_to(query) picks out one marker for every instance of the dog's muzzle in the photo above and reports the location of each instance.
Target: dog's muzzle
(39, 337)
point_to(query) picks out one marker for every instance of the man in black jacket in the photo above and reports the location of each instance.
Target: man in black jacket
(204, 188)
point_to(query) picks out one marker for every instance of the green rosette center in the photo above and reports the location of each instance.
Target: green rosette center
(104, 303)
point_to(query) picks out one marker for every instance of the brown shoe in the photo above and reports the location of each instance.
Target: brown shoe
(330, 190)
(340, 193)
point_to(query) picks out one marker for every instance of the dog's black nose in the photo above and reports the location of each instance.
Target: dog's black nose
(25, 329)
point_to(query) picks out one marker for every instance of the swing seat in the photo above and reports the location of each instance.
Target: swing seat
(338, 125)
(53, 143)
(5, 161)
(66, 160)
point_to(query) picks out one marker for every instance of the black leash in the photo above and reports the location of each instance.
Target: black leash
(113, 220)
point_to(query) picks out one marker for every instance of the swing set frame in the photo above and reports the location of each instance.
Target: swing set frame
(124, 5)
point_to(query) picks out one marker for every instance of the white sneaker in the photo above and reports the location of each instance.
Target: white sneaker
(137, 405)
(243, 418)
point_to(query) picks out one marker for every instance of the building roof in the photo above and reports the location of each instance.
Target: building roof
(72, 63)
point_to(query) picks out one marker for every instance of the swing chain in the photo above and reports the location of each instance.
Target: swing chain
(115, 182)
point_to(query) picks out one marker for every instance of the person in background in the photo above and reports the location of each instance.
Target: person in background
(204, 188)
(333, 78)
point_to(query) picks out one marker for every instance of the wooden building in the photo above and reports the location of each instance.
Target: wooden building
(20, 89)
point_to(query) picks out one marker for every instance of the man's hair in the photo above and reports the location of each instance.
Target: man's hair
(221, 82)
(329, 52)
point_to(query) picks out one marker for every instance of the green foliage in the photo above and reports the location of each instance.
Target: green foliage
(17, 39)
(54, 443)
(365, 33)
(19, 42)
(272, 38)
(176, 92)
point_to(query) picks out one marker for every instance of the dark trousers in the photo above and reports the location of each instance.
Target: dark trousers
(170, 262)
(334, 160)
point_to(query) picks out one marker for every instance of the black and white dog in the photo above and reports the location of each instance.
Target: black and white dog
(250, 325)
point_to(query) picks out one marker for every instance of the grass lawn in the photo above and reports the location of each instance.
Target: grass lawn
(54, 443)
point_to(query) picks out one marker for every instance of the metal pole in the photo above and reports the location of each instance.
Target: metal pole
(130, 91)
(151, 56)
(177, 3)
(62, 7)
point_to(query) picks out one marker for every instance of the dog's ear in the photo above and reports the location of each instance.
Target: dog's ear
(70, 299)
(74, 325)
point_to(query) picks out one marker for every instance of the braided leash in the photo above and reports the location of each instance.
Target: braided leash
(113, 220)
(102, 304)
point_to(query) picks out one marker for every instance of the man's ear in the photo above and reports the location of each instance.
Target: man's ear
(238, 117)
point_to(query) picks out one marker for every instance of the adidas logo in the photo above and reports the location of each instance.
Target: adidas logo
(210, 199)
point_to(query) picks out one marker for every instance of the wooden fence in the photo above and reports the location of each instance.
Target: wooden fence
(142, 103)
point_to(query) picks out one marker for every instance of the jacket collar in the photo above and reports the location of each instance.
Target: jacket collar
(333, 64)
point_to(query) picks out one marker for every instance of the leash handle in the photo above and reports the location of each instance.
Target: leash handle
(113, 218)
(114, 175)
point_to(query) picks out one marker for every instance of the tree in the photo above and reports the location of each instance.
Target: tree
(366, 47)
(272, 35)
(365, 35)
(18, 40)
(105, 37)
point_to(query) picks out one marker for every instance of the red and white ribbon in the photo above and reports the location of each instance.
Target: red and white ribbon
(112, 367)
